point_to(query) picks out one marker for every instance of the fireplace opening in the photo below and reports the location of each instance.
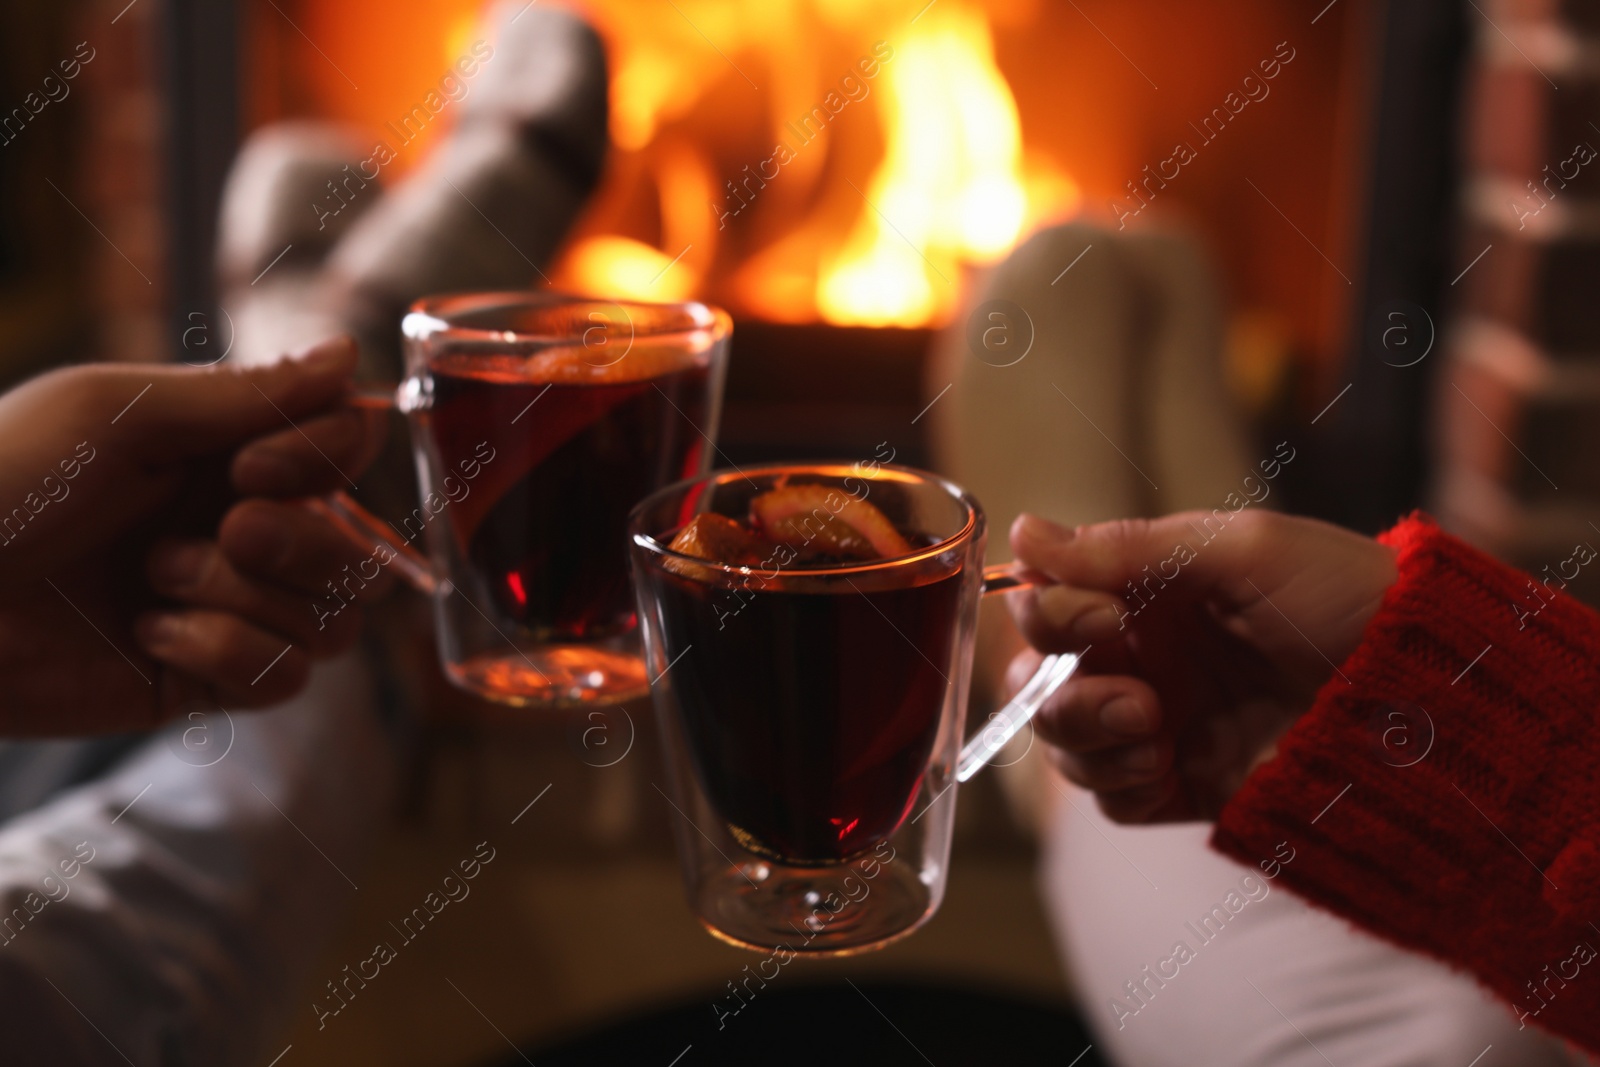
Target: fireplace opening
(839, 175)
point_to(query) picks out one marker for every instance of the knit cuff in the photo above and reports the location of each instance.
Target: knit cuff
(1442, 790)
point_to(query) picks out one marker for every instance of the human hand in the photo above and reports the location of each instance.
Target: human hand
(1199, 665)
(133, 581)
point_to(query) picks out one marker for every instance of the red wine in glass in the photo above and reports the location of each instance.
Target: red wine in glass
(809, 717)
(544, 523)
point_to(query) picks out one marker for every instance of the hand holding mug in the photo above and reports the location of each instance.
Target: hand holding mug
(132, 579)
(810, 631)
(1208, 641)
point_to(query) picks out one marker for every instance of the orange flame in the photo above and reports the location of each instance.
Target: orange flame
(919, 173)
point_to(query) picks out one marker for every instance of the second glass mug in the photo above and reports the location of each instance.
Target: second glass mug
(537, 421)
(812, 715)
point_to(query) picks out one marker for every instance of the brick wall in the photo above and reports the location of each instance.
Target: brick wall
(120, 179)
(1518, 431)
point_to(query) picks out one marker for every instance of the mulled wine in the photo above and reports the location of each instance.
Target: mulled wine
(573, 448)
(809, 630)
(809, 717)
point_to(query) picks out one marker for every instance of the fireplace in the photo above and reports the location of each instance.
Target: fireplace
(836, 174)
(886, 199)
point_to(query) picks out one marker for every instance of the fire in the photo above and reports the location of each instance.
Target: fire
(621, 266)
(847, 162)
(949, 189)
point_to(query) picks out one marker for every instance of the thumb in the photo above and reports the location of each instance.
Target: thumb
(1107, 556)
(190, 411)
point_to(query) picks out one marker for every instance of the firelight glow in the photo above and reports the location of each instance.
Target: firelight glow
(949, 189)
(874, 222)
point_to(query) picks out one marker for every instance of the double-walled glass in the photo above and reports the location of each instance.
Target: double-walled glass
(812, 716)
(538, 421)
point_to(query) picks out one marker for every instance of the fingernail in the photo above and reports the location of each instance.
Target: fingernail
(159, 632)
(174, 568)
(1100, 624)
(1042, 531)
(1056, 605)
(1142, 758)
(1124, 715)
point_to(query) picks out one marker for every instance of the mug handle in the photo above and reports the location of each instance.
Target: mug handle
(360, 526)
(1009, 720)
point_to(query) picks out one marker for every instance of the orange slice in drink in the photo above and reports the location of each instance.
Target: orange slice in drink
(721, 540)
(818, 520)
(718, 539)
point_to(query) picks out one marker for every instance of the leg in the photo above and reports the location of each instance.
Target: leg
(1274, 982)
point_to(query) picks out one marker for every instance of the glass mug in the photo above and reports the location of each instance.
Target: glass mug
(537, 421)
(812, 716)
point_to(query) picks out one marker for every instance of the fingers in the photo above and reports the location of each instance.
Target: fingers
(291, 546)
(1096, 713)
(1117, 771)
(315, 456)
(1106, 733)
(189, 412)
(200, 575)
(1108, 556)
(245, 666)
(1106, 736)
(278, 588)
(1020, 669)
(1060, 618)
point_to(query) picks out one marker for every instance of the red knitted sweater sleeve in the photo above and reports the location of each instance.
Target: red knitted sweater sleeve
(1444, 789)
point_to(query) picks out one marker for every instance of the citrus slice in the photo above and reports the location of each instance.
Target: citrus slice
(719, 539)
(818, 520)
